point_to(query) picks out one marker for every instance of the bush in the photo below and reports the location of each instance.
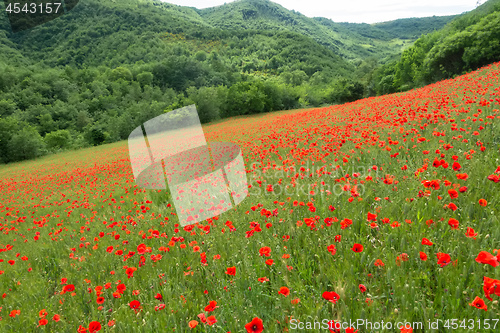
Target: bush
(58, 139)
(95, 135)
(207, 102)
(24, 145)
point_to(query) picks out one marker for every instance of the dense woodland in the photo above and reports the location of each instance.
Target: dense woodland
(94, 74)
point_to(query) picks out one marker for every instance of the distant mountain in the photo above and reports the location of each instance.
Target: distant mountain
(413, 28)
(351, 41)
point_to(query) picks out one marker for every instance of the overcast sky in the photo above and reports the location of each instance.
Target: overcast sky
(359, 11)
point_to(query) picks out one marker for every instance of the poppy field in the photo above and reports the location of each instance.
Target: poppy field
(384, 209)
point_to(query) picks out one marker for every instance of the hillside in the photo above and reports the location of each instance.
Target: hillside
(385, 209)
(466, 43)
(92, 75)
(351, 41)
(413, 28)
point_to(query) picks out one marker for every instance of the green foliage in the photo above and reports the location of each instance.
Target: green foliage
(59, 139)
(346, 39)
(25, 144)
(344, 91)
(410, 28)
(96, 135)
(8, 127)
(145, 78)
(121, 73)
(245, 98)
(208, 102)
(466, 43)
(7, 107)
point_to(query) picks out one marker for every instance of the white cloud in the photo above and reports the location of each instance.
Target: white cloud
(358, 11)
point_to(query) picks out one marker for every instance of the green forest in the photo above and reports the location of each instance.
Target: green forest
(94, 74)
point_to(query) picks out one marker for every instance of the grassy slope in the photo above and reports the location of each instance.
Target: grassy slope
(73, 197)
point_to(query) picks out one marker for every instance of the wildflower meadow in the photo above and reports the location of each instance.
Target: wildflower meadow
(384, 209)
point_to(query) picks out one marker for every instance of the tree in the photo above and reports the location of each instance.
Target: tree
(24, 145)
(145, 79)
(58, 139)
(8, 127)
(7, 107)
(95, 135)
(121, 73)
(206, 101)
(47, 124)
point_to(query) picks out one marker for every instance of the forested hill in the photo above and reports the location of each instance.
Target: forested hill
(94, 74)
(411, 28)
(351, 41)
(466, 43)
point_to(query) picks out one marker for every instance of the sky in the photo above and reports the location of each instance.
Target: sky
(359, 11)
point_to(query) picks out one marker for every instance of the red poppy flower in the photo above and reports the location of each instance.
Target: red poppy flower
(357, 248)
(211, 320)
(14, 313)
(379, 262)
(94, 326)
(362, 288)
(425, 241)
(456, 166)
(331, 296)
(453, 193)
(255, 326)
(141, 248)
(192, 324)
(134, 304)
(130, 271)
(121, 288)
(202, 317)
(443, 259)
(479, 303)
(265, 251)
(269, 262)
(42, 322)
(68, 288)
(453, 223)
(471, 233)
(351, 330)
(487, 258)
(284, 291)
(231, 271)
(405, 329)
(423, 256)
(483, 202)
(212, 305)
(491, 286)
(494, 178)
(100, 300)
(371, 217)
